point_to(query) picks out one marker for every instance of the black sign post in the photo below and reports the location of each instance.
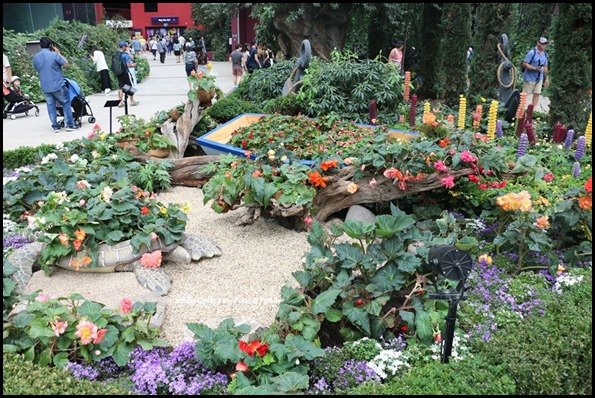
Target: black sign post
(110, 105)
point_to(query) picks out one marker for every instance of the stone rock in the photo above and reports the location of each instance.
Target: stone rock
(159, 317)
(23, 259)
(360, 213)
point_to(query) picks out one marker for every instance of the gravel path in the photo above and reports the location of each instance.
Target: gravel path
(244, 283)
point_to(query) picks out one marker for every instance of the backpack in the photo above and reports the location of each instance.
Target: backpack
(117, 63)
(532, 58)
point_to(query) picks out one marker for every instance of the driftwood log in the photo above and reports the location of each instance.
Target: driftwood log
(180, 130)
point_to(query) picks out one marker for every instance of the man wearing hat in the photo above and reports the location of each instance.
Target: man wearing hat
(536, 70)
(124, 78)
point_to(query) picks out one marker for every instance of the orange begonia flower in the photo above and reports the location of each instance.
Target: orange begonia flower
(585, 202)
(317, 180)
(327, 164)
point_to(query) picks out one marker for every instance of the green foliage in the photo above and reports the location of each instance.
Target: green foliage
(471, 376)
(285, 105)
(430, 39)
(264, 362)
(226, 109)
(24, 155)
(571, 67)
(347, 286)
(364, 349)
(556, 350)
(154, 176)
(451, 76)
(21, 377)
(9, 293)
(145, 134)
(56, 331)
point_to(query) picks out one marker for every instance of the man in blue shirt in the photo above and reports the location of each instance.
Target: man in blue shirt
(536, 71)
(49, 62)
(124, 78)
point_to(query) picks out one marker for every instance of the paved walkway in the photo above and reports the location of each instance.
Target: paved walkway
(164, 88)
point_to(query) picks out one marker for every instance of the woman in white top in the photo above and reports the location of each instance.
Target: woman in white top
(101, 65)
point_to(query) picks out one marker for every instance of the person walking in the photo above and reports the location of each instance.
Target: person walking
(536, 71)
(253, 58)
(48, 63)
(153, 47)
(162, 48)
(125, 78)
(190, 61)
(101, 65)
(237, 65)
(177, 50)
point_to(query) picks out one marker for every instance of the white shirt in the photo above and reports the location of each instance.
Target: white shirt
(99, 60)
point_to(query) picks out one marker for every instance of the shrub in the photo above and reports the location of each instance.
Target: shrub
(226, 109)
(466, 377)
(555, 350)
(22, 156)
(20, 377)
(285, 105)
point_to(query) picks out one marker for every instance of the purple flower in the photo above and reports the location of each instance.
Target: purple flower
(576, 169)
(581, 143)
(568, 141)
(523, 143)
(499, 132)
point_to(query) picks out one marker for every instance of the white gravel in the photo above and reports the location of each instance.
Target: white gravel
(244, 283)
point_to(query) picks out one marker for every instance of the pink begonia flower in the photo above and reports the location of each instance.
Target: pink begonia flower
(153, 236)
(82, 202)
(99, 338)
(452, 152)
(59, 327)
(42, 297)
(86, 331)
(467, 156)
(391, 173)
(91, 135)
(439, 166)
(125, 306)
(151, 260)
(373, 182)
(448, 182)
(482, 137)
(549, 177)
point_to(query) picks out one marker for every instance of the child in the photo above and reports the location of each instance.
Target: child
(17, 94)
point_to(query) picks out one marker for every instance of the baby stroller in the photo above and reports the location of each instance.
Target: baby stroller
(17, 103)
(80, 106)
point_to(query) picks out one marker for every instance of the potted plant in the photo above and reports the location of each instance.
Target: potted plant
(203, 88)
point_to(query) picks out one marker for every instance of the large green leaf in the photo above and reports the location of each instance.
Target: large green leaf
(350, 255)
(358, 316)
(121, 353)
(388, 278)
(357, 229)
(40, 328)
(90, 310)
(291, 382)
(324, 301)
(423, 325)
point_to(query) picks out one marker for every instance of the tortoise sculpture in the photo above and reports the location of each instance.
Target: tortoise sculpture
(121, 258)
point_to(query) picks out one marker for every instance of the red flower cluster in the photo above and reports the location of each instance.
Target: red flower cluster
(253, 347)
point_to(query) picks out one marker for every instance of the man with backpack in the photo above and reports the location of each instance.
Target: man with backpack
(535, 73)
(121, 63)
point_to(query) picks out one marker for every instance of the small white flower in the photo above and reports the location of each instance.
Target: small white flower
(74, 158)
(60, 146)
(115, 157)
(95, 154)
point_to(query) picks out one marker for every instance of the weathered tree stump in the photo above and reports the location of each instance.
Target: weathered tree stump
(179, 131)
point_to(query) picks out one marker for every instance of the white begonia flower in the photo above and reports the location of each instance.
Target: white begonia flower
(60, 146)
(95, 154)
(115, 157)
(106, 194)
(52, 156)
(74, 158)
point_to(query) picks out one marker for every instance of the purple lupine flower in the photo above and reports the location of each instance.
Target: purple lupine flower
(523, 143)
(576, 169)
(581, 143)
(15, 241)
(569, 137)
(499, 132)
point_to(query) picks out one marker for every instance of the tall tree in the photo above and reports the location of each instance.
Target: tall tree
(491, 20)
(323, 24)
(430, 40)
(451, 76)
(571, 66)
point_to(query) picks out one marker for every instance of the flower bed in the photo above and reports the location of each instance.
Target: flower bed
(304, 137)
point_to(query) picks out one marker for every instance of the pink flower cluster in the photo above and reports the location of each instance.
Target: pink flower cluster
(151, 260)
(87, 331)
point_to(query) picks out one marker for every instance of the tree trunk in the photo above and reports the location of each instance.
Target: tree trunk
(186, 172)
(325, 27)
(179, 132)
